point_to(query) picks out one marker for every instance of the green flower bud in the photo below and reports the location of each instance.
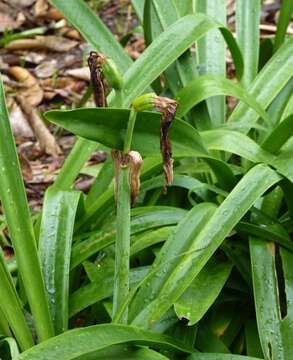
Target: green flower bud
(144, 102)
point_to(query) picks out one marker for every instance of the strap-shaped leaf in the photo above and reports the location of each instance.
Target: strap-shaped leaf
(108, 126)
(204, 244)
(20, 226)
(55, 251)
(84, 341)
(210, 85)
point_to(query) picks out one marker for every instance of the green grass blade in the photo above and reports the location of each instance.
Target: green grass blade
(214, 356)
(266, 297)
(20, 227)
(203, 291)
(229, 213)
(157, 18)
(277, 109)
(148, 218)
(185, 7)
(93, 30)
(212, 55)
(268, 84)
(166, 48)
(101, 288)
(278, 137)
(171, 255)
(209, 86)
(247, 29)
(253, 347)
(138, 7)
(101, 183)
(122, 242)
(236, 143)
(12, 346)
(4, 326)
(79, 154)
(283, 22)
(93, 338)
(55, 251)
(11, 308)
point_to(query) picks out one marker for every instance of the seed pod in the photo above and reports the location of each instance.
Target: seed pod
(144, 102)
(112, 74)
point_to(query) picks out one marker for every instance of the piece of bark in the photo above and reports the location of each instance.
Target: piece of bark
(46, 139)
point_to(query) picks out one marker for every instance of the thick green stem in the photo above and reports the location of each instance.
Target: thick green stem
(122, 251)
(123, 195)
(129, 131)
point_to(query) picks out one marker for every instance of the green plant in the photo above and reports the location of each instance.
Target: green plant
(199, 270)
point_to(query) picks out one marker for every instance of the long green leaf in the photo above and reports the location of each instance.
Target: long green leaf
(239, 201)
(214, 356)
(19, 222)
(93, 338)
(101, 288)
(92, 124)
(55, 251)
(266, 297)
(267, 85)
(283, 22)
(11, 308)
(203, 291)
(209, 86)
(278, 137)
(165, 49)
(212, 55)
(247, 28)
(147, 218)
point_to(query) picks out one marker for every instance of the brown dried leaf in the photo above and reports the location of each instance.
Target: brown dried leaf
(46, 139)
(81, 73)
(41, 8)
(46, 69)
(53, 43)
(22, 3)
(7, 23)
(20, 126)
(32, 93)
(26, 168)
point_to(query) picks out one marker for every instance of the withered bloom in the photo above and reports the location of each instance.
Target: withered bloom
(95, 61)
(168, 109)
(134, 161)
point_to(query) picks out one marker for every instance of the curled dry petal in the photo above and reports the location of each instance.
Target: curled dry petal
(99, 89)
(135, 167)
(168, 109)
(133, 160)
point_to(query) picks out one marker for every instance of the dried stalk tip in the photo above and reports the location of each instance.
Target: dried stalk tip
(134, 160)
(95, 61)
(168, 109)
(135, 167)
